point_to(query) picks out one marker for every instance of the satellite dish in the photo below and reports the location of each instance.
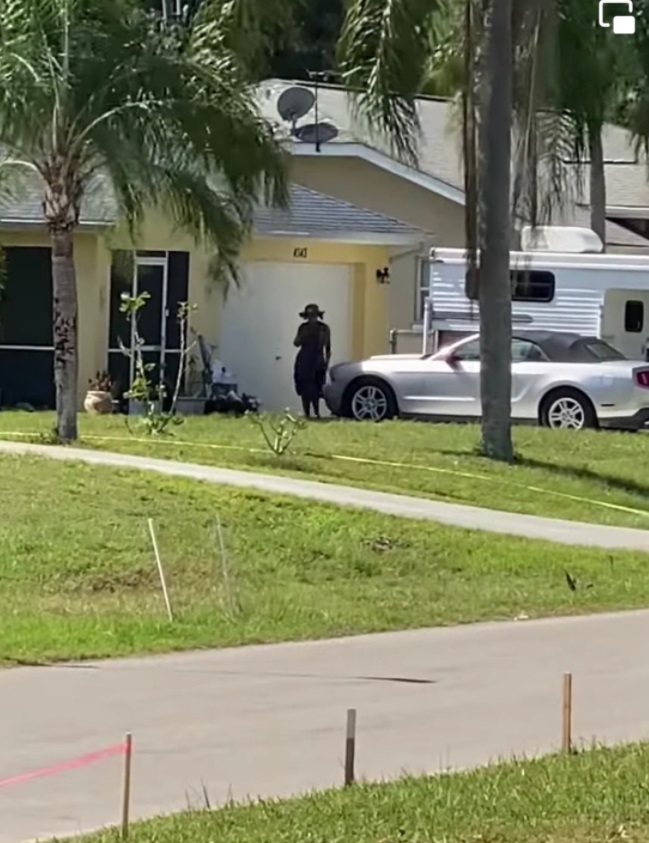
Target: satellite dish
(294, 103)
(316, 133)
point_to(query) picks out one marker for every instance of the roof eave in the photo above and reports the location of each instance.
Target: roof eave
(347, 149)
(369, 238)
(84, 225)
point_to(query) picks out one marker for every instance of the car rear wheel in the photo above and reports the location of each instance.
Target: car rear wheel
(567, 409)
(370, 399)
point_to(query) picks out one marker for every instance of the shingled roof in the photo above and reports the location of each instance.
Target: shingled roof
(440, 151)
(23, 204)
(309, 213)
(315, 214)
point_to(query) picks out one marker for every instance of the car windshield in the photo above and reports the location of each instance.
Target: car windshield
(596, 351)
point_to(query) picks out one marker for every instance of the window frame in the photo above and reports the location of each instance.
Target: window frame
(640, 304)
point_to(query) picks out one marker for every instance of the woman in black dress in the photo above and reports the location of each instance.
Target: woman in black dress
(313, 339)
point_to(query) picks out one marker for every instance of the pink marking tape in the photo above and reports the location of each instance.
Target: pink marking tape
(63, 767)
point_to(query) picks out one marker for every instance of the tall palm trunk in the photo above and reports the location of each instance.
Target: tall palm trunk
(470, 149)
(64, 287)
(494, 135)
(597, 183)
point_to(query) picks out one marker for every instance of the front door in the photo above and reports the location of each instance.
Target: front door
(164, 279)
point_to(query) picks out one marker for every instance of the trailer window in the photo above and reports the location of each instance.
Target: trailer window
(633, 317)
(532, 285)
(535, 285)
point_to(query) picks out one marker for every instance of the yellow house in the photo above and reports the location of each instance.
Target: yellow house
(358, 166)
(321, 249)
(358, 218)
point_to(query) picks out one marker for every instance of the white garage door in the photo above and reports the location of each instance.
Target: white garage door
(260, 320)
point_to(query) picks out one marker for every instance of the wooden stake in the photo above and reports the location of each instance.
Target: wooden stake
(126, 795)
(350, 746)
(161, 573)
(566, 732)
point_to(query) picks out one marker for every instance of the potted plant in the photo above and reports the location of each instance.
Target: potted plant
(99, 397)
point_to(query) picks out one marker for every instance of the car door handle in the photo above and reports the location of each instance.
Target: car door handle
(278, 357)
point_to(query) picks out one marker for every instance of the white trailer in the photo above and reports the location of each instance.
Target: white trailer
(602, 295)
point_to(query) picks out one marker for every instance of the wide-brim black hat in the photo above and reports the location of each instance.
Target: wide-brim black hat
(311, 309)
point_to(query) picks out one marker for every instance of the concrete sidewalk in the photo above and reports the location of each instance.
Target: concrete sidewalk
(476, 518)
(270, 720)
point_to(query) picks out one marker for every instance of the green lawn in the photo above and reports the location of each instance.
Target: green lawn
(78, 577)
(592, 797)
(559, 473)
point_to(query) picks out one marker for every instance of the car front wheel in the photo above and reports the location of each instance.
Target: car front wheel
(370, 399)
(567, 409)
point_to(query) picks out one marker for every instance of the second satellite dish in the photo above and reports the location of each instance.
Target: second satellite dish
(294, 103)
(316, 133)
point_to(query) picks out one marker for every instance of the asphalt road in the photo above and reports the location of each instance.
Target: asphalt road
(270, 720)
(530, 526)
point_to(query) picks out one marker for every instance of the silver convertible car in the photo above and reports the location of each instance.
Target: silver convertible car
(559, 380)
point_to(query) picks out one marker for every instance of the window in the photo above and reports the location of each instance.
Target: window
(633, 317)
(524, 351)
(531, 285)
(468, 351)
(593, 350)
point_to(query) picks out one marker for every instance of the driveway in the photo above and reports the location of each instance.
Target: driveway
(270, 720)
(477, 518)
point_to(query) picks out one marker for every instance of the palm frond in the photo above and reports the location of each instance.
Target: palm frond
(251, 29)
(637, 104)
(383, 54)
(567, 88)
(166, 118)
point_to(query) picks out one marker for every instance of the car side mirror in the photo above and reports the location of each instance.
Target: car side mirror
(452, 360)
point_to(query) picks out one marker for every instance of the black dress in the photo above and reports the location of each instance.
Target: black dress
(310, 367)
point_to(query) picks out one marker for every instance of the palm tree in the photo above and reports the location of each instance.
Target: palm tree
(385, 53)
(94, 91)
(494, 220)
(571, 83)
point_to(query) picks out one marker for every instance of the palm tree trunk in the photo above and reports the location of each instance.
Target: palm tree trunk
(470, 150)
(495, 218)
(597, 183)
(64, 285)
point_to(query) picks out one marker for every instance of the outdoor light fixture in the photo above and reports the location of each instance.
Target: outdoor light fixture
(383, 275)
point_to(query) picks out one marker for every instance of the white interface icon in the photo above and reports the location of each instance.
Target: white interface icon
(622, 24)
